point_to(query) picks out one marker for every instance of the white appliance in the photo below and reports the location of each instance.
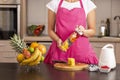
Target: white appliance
(107, 56)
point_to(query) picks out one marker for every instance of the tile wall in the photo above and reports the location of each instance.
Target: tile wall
(37, 13)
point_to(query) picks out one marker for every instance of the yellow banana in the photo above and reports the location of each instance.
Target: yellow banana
(32, 58)
(37, 61)
(65, 46)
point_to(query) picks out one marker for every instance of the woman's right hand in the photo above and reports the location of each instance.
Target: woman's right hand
(59, 42)
(63, 45)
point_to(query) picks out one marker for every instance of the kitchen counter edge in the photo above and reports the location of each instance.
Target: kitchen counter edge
(92, 39)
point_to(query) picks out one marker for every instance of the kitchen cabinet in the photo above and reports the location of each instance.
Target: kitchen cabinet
(97, 46)
(98, 43)
(8, 57)
(7, 54)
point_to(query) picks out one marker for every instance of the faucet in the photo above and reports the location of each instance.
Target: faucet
(117, 18)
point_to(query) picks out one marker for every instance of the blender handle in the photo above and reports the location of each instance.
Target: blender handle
(108, 45)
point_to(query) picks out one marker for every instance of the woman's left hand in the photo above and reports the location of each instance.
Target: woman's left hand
(80, 29)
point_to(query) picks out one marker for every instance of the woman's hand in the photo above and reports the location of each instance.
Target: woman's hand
(80, 30)
(63, 45)
(86, 32)
(59, 42)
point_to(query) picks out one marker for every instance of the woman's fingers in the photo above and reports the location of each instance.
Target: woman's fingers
(80, 29)
(59, 42)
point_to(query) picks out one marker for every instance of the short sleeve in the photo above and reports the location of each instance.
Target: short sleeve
(53, 5)
(88, 6)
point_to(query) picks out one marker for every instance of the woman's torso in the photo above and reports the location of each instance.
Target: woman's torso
(87, 4)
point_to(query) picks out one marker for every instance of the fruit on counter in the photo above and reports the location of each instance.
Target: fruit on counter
(34, 44)
(36, 61)
(42, 48)
(42, 58)
(71, 62)
(31, 49)
(20, 57)
(32, 58)
(17, 43)
(28, 54)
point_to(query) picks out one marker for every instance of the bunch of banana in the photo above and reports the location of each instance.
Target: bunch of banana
(34, 59)
(29, 55)
(64, 46)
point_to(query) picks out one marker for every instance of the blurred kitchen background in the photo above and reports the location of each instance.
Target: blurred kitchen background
(37, 13)
(23, 16)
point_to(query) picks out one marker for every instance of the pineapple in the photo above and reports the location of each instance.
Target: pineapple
(17, 43)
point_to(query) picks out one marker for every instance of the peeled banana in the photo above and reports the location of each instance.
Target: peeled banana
(64, 46)
(32, 58)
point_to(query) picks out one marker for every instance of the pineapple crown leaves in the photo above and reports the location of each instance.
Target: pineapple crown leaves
(17, 43)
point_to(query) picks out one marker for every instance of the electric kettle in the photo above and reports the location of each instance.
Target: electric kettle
(107, 56)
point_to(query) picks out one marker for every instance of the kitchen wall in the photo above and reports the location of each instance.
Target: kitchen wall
(107, 9)
(115, 12)
(37, 13)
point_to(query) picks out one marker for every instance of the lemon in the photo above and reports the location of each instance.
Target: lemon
(20, 57)
(31, 49)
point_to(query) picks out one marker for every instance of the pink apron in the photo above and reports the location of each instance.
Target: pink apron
(81, 50)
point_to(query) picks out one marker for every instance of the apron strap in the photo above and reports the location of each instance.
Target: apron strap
(60, 3)
(81, 3)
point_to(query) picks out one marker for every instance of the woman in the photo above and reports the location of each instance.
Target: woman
(63, 17)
